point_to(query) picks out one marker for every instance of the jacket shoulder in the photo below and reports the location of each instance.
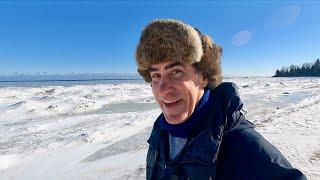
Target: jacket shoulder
(246, 154)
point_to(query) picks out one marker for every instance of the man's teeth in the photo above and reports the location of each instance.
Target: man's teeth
(172, 102)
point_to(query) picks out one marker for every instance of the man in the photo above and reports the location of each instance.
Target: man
(202, 132)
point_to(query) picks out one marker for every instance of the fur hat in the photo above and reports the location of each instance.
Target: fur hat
(172, 40)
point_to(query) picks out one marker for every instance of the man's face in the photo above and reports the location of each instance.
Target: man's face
(177, 88)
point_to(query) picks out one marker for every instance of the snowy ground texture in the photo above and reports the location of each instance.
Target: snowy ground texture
(100, 131)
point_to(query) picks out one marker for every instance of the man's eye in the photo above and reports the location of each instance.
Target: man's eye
(155, 77)
(177, 73)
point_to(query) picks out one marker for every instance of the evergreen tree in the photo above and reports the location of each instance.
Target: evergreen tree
(307, 69)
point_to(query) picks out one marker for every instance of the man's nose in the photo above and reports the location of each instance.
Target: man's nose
(165, 86)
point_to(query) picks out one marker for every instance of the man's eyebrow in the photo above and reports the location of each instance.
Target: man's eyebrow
(151, 69)
(169, 66)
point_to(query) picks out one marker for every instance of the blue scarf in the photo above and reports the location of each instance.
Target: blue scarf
(195, 123)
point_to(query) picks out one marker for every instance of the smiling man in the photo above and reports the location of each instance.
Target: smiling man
(202, 132)
(177, 89)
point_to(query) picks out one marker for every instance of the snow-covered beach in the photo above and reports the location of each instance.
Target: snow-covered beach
(99, 131)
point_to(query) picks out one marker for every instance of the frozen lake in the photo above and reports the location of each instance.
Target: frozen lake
(89, 130)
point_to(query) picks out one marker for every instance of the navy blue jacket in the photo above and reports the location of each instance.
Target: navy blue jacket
(228, 148)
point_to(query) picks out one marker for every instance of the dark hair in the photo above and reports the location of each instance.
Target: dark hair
(198, 69)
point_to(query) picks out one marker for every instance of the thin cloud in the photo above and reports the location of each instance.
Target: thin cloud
(241, 38)
(283, 17)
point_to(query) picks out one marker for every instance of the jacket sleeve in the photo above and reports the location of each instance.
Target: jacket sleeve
(245, 154)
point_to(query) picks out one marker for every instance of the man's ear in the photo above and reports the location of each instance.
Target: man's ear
(204, 82)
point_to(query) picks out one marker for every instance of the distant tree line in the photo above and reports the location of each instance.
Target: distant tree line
(307, 69)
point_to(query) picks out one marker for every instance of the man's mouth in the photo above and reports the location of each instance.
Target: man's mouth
(171, 103)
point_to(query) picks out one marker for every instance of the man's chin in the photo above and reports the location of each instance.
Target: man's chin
(175, 119)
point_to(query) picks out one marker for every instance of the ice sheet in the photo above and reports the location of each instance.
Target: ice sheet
(90, 131)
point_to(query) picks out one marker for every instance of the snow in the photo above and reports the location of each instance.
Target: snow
(295, 131)
(99, 131)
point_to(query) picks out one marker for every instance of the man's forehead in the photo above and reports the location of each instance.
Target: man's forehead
(165, 65)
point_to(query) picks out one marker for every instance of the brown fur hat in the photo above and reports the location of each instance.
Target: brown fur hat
(172, 40)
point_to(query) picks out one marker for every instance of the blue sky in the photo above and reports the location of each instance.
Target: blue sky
(96, 36)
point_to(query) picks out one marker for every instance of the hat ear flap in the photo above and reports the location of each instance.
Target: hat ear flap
(210, 62)
(145, 74)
